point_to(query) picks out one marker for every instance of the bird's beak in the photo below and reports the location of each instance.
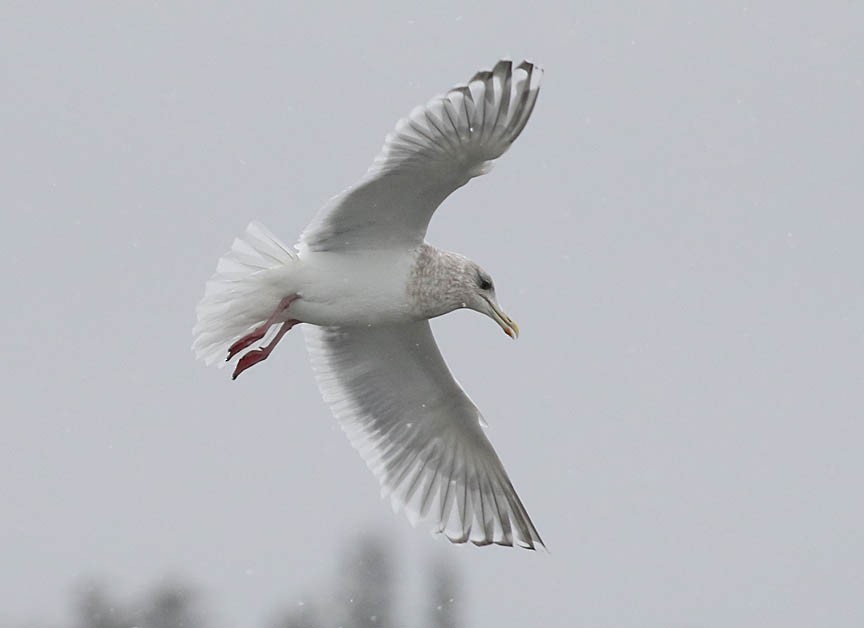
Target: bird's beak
(513, 329)
(507, 324)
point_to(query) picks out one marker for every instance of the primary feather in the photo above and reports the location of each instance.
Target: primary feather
(418, 431)
(430, 154)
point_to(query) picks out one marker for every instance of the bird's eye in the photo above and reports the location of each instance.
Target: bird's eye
(485, 284)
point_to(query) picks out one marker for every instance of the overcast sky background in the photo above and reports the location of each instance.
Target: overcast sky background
(678, 232)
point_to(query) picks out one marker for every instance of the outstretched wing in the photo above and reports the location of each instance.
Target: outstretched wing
(430, 154)
(418, 431)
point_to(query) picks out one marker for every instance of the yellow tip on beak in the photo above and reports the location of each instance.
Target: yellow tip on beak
(512, 328)
(507, 324)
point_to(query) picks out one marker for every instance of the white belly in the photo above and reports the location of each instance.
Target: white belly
(363, 288)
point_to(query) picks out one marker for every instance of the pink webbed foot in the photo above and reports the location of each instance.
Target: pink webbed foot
(259, 332)
(252, 337)
(259, 355)
(279, 315)
(250, 359)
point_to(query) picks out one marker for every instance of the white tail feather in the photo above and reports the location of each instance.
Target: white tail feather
(250, 281)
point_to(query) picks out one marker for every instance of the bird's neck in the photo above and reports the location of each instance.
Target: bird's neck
(435, 287)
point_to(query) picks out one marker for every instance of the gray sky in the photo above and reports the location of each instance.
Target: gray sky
(677, 232)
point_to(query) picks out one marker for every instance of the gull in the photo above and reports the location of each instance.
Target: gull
(365, 283)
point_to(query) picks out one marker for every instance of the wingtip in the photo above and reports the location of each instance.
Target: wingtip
(505, 64)
(482, 75)
(534, 72)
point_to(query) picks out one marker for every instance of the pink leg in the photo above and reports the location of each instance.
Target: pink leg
(259, 355)
(258, 333)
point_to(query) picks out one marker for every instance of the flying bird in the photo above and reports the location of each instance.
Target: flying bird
(365, 283)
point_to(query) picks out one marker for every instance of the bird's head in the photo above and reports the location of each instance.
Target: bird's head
(443, 281)
(478, 293)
